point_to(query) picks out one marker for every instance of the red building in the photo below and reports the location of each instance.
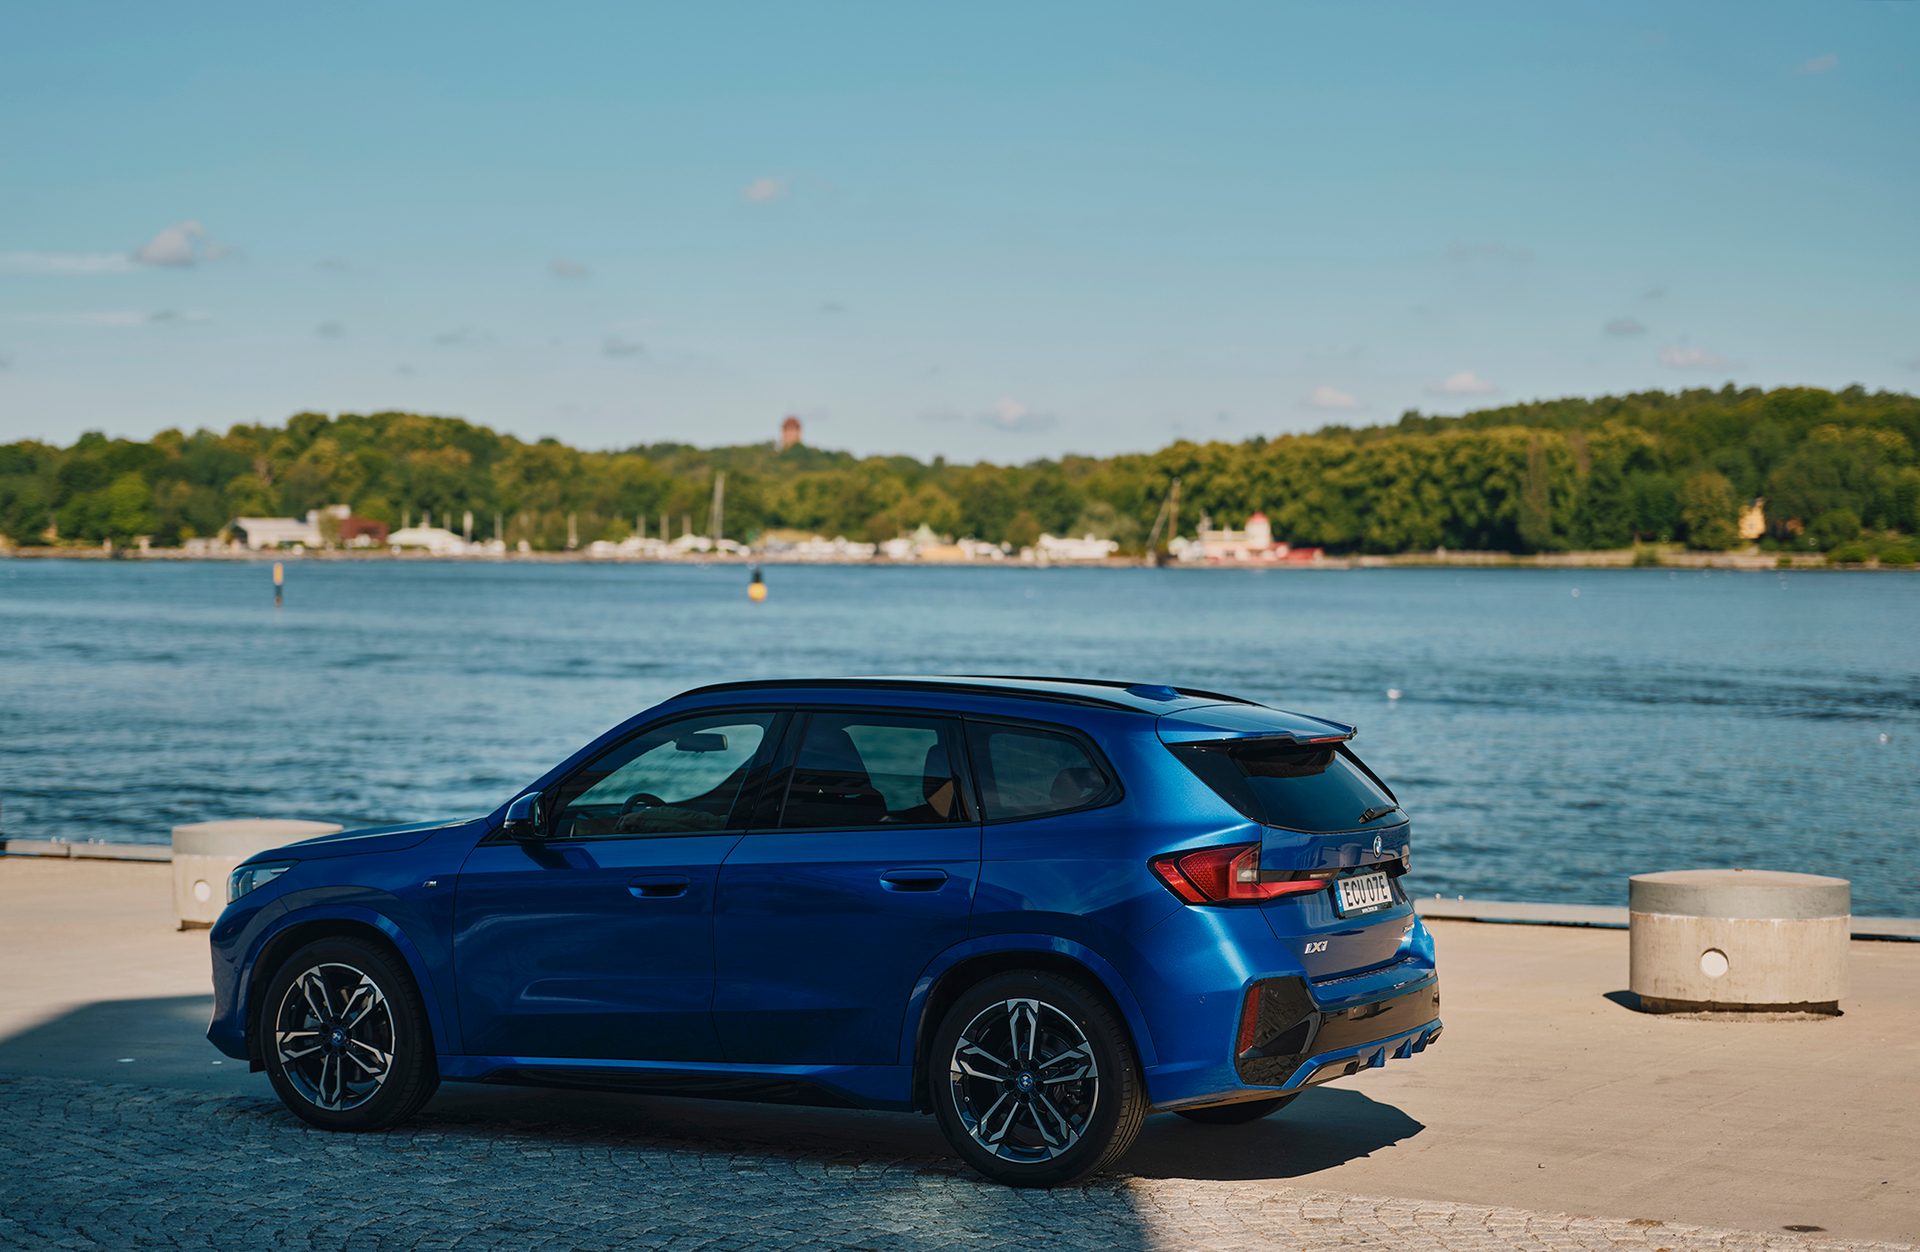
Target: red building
(362, 532)
(789, 433)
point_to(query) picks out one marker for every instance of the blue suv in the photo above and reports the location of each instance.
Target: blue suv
(1036, 908)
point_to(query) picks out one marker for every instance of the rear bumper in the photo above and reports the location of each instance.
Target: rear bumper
(1288, 1041)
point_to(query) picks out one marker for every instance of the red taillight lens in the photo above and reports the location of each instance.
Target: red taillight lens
(1227, 875)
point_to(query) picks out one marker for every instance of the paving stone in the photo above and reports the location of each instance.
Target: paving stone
(93, 1165)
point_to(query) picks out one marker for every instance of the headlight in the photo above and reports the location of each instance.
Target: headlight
(247, 877)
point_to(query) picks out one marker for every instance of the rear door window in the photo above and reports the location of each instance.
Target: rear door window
(1314, 788)
(1025, 771)
(854, 770)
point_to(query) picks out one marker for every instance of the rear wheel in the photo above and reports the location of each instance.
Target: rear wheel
(344, 1036)
(1238, 1114)
(1033, 1080)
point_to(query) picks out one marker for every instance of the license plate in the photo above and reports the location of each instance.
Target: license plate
(1364, 893)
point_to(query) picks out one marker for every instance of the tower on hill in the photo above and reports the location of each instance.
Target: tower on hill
(789, 433)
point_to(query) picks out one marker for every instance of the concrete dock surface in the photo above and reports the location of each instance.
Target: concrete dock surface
(1550, 1115)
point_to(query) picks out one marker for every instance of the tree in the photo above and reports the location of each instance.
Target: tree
(1527, 477)
(1833, 528)
(1709, 511)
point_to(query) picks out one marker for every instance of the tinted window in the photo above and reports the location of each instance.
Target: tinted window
(1028, 773)
(677, 779)
(865, 769)
(1313, 789)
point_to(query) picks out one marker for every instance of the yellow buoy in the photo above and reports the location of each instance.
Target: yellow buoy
(756, 587)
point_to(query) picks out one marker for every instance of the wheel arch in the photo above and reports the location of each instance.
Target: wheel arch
(296, 930)
(962, 967)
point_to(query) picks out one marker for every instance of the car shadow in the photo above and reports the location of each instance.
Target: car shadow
(160, 1042)
(1326, 1127)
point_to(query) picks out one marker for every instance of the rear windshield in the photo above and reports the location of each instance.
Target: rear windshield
(1315, 789)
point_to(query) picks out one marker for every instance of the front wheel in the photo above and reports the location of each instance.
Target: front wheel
(1033, 1080)
(344, 1036)
(1238, 1114)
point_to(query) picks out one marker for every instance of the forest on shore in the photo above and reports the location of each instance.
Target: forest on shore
(1839, 472)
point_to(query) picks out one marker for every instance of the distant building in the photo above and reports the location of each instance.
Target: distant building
(261, 533)
(1255, 543)
(360, 532)
(1049, 549)
(790, 433)
(799, 545)
(434, 539)
(1753, 520)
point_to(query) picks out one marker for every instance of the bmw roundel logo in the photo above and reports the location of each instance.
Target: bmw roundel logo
(1376, 843)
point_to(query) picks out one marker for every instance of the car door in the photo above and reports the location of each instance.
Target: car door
(596, 940)
(860, 869)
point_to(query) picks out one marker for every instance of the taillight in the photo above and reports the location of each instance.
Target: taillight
(1226, 875)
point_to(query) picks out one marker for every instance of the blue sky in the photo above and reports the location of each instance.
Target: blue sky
(983, 231)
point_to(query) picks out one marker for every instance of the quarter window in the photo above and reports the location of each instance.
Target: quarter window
(682, 778)
(864, 769)
(1026, 772)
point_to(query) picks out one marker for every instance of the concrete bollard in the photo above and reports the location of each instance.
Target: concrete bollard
(205, 853)
(1738, 939)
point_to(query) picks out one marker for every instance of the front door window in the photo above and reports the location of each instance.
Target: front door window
(683, 778)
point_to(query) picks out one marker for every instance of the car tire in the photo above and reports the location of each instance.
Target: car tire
(1033, 1079)
(1237, 1114)
(344, 1038)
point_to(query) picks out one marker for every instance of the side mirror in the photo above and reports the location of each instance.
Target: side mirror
(523, 818)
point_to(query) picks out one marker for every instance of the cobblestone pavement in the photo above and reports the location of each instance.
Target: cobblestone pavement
(97, 1164)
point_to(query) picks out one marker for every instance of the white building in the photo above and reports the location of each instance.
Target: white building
(434, 539)
(1063, 548)
(260, 533)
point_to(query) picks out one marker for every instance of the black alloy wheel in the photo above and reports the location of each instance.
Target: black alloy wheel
(1034, 1081)
(344, 1036)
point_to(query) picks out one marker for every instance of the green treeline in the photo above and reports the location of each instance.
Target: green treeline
(1838, 470)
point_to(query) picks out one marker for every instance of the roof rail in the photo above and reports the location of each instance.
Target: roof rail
(1113, 682)
(923, 684)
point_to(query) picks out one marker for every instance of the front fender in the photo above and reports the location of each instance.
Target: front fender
(987, 945)
(439, 1020)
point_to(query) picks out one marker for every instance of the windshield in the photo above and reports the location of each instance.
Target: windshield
(1315, 788)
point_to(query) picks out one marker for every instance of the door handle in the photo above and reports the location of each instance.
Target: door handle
(659, 886)
(913, 879)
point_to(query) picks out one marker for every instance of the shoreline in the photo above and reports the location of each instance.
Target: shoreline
(1606, 559)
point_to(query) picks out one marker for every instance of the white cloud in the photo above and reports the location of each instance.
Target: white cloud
(1682, 357)
(764, 190)
(1621, 327)
(618, 347)
(1007, 415)
(179, 246)
(65, 262)
(1821, 64)
(116, 317)
(1016, 418)
(1325, 397)
(1464, 383)
(561, 268)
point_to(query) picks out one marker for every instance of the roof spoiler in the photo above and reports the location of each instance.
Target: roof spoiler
(1228, 724)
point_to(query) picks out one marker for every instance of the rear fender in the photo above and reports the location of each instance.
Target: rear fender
(915, 1028)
